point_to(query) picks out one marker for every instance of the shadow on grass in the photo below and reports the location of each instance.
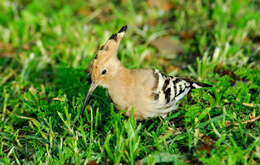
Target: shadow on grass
(74, 84)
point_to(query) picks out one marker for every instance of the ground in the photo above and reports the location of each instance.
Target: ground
(46, 47)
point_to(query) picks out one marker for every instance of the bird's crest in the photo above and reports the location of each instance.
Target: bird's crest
(112, 44)
(106, 65)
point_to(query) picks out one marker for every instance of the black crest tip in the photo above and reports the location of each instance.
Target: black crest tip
(113, 36)
(123, 29)
(102, 47)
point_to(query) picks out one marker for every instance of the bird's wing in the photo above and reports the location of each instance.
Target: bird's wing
(168, 90)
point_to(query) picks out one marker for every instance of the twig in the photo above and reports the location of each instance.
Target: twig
(251, 105)
(252, 120)
(228, 123)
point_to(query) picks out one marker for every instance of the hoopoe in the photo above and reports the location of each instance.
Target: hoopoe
(148, 92)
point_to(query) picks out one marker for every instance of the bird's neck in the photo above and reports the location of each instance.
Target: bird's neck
(122, 77)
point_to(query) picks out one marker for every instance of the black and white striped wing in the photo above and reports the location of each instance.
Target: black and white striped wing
(169, 90)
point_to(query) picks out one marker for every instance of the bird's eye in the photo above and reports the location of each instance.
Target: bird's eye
(104, 71)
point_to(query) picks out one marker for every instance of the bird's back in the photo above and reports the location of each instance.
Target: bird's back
(157, 93)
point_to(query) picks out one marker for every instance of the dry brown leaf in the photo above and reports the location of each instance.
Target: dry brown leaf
(6, 50)
(187, 35)
(166, 5)
(167, 47)
(206, 143)
(171, 68)
(205, 146)
(92, 162)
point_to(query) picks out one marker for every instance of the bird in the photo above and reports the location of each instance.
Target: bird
(144, 93)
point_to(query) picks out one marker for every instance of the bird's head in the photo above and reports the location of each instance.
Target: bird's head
(106, 64)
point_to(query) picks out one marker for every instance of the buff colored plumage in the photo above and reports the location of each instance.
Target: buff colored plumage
(147, 91)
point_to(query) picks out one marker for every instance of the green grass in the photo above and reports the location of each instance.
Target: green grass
(46, 46)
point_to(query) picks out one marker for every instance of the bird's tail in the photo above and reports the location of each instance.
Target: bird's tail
(199, 85)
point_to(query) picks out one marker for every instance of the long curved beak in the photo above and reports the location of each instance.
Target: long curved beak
(90, 91)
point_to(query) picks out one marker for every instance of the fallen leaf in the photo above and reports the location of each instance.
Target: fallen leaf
(171, 68)
(167, 47)
(166, 5)
(6, 50)
(92, 162)
(187, 35)
(206, 143)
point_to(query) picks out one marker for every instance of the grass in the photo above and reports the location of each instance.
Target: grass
(46, 46)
